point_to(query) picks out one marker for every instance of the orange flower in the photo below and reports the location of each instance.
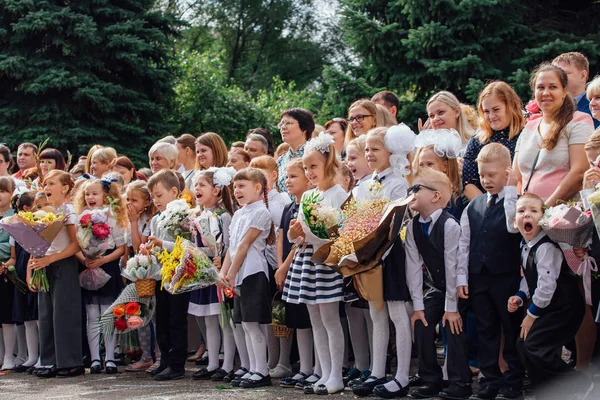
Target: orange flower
(119, 311)
(132, 308)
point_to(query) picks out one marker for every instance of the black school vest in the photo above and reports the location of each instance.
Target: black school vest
(491, 245)
(431, 250)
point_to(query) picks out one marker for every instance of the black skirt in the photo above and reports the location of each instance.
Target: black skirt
(25, 305)
(254, 302)
(296, 316)
(7, 293)
(108, 293)
(394, 274)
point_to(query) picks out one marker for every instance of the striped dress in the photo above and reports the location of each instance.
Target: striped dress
(306, 282)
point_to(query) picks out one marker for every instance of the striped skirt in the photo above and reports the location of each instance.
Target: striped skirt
(307, 283)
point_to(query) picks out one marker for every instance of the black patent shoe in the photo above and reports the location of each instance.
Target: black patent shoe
(202, 361)
(381, 391)
(111, 369)
(456, 392)
(414, 380)
(309, 389)
(47, 372)
(366, 388)
(427, 391)
(31, 370)
(20, 368)
(232, 376)
(290, 382)
(96, 368)
(252, 384)
(70, 372)
(203, 375)
(219, 375)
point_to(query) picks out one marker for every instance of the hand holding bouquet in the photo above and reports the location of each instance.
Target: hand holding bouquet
(319, 222)
(10, 273)
(93, 232)
(34, 231)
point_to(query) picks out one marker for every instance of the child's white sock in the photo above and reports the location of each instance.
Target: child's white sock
(330, 314)
(93, 333)
(10, 340)
(228, 346)
(258, 340)
(399, 315)
(381, 338)
(305, 350)
(32, 337)
(213, 341)
(358, 336)
(240, 342)
(110, 344)
(321, 342)
(21, 345)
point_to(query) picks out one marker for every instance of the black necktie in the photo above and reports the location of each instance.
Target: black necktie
(492, 200)
(425, 226)
(378, 178)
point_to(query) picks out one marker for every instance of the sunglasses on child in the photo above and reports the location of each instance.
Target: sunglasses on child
(418, 186)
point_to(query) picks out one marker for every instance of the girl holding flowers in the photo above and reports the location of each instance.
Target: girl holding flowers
(212, 195)
(7, 289)
(318, 286)
(60, 306)
(245, 267)
(103, 196)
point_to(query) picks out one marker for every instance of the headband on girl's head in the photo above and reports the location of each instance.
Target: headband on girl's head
(222, 176)
(106, 182)
(320, 142)
(446, 142)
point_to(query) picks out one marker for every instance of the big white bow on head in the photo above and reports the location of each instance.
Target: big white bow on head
(446, 142)
(399, 140)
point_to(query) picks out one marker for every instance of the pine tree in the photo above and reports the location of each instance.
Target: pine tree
(84, 72)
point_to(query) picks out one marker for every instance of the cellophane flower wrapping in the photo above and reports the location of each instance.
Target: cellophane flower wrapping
(128, 313)
(186, 268)
(594, 202)
(176, 219)
(318, 221)
(34, 231)
(568, 223)
(93, 278)
(141, 267)
(93, 231)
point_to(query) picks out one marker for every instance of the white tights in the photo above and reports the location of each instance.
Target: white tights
(32, 338)
(9, 332)
(360, 335)
(400, 312)
(94, 311)
(240, 342)
(328, 336)
(256, 341)
(213, 341)
(381, 339)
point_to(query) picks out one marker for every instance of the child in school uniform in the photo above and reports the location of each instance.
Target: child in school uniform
(171, 310)
(386, 153)
(296, 315)
(432, 241)
(356, 161)
(60, 320)
(489, 272)
(246, 268)
(556, 309)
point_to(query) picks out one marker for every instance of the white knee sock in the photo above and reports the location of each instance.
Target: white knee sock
(213, 341)
(381, 338)
(21, 345)
(330, 314)
(369, 322)
(321, 342)
(358, 336)
(228, 347)
(257, 348)
(401, 320)
(317, 369)
(305, 350)
(110, 343)
(93, 333)
(10, 340)
(240, 342)
(32, 337)
(273, 344)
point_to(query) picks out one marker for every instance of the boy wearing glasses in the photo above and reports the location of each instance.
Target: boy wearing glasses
(432, 240)
(489, 272)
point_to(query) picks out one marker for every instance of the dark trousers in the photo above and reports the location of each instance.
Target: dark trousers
(489, 300)
(60, 316)
(171, 327)
(457, 352)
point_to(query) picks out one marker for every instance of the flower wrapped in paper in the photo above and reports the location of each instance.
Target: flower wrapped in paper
(319, 222)
(93, 230)
(186, 268)
(34, 231)
(207, 225)
(568, 223)
(176, 219)
(142, 266)
(128, 313)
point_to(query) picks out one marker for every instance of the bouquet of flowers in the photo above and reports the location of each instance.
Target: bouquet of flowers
(141, 267)
(207, 224)
(176, 219)
(129, 312)
(93, 278)
(93, 231)
(568, 223)
(319, 222)
(186, 268)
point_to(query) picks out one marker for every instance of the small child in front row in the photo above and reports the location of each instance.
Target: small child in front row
(98, 194)
(489, 272)
(556, 310)
(171, 309)
(432, 240)
(246, 268)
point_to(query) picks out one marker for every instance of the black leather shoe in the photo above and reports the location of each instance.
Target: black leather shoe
(232, 376)
(309, 389)
(456, 392)
(110, 369)
(20, 368)
(487, 392)
(290, 382)
(202, 361)
(219, 375)
(352, 374)
(47, 372)
(203, 375)
(509, 393)
(237, 381)
(229, 377)
(70, 372)
(31, 370)
(96, 368)
(262, 382)
(366, 388)
(414, 380)
(158, 370)
(381, 391)
(169, 374)
(427, 391)
(362, 377)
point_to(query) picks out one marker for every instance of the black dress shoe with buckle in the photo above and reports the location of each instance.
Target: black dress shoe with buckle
(383, 392)
(96, 367)
(47, 372)
(110, 369)
(456, 391)
(252, 384)
(170, 374)
(290, 382)
(366, 388)
(427, 391)
(70, 372)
